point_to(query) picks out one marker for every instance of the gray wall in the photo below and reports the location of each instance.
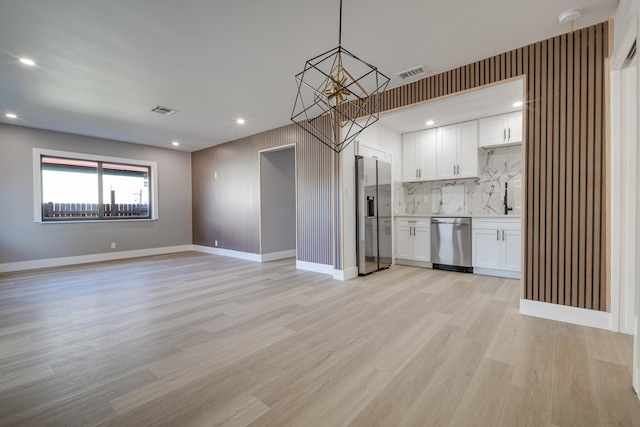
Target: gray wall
(22, 239)
(226, 196)
(278, 200)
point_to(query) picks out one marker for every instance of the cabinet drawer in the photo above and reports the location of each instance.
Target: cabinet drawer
(496, 223)
(418, 222)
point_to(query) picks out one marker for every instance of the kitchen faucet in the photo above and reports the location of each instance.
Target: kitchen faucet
(506, 204)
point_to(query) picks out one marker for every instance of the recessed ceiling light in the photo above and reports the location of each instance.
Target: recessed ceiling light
(175, 143)
(11, 116)
(430, 123)
(517, 104)
(240, 121)
(27, 61)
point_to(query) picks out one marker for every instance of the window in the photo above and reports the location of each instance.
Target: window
(92, 188)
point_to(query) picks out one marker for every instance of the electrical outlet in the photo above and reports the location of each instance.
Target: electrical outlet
(113, 245)
(215, 243)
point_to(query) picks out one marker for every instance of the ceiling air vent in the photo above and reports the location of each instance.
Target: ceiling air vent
(164, 110)
(412, 73)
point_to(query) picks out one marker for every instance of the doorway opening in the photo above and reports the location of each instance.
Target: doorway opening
(278, 203)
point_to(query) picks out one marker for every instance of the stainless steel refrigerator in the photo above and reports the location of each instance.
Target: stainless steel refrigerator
(373, 214)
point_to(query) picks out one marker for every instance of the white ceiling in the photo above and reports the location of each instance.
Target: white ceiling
(102, 65)
(496, 99)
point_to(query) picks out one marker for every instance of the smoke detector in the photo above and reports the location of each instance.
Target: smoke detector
(569, 16)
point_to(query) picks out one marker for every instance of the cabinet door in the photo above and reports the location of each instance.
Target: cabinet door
(486, 248)
(447, 152)
(511, 247)
(492, 131)
(421, 244)
(514, 127)
(409, 157)
(467, 149)
(404, 240)
(428, 155)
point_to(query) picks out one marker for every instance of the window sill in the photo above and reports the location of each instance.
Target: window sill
(97, 221)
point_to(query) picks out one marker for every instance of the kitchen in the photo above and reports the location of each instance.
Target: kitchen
(485, 128)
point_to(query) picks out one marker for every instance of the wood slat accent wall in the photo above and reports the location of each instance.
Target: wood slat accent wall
(227, 208)
(565, 230)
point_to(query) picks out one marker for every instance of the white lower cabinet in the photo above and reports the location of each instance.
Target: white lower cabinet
(497, 246)
(413, 241)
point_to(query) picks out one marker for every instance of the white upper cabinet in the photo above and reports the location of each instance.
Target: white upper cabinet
(409, 157)
(419, 156)
(505, 129)
(448, 152)
(458, 151)
(467, 149)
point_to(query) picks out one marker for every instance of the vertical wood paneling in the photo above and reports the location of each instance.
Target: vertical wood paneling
(544, 175)
(565, 158)
(227, 208)
(554, 137)
(565, 168)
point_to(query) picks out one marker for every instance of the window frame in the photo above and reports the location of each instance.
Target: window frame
(38, 212)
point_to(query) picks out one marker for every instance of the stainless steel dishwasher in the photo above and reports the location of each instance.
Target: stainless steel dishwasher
(451, 243)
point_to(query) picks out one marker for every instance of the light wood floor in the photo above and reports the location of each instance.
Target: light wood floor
(201, 340)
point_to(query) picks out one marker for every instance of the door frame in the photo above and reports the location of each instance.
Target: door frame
(295, 167)
(625, 319)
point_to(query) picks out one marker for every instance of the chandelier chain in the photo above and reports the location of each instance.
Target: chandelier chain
(340, 26)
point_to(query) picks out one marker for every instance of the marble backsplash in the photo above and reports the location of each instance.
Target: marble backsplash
(477, 196)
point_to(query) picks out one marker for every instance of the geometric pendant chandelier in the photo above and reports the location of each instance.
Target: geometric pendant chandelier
(338, 96)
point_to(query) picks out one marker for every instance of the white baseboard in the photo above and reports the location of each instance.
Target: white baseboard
(248, 256)
(497, 273)
(272, 256)
(85, 259)
(563, 313)
(315, 267)
(345, 274)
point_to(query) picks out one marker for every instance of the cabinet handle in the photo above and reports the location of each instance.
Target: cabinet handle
(419, 173)
(497, 234)
(454, 169)
(504, 134)
(502, 235)
(509, 133)
(416, 173)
